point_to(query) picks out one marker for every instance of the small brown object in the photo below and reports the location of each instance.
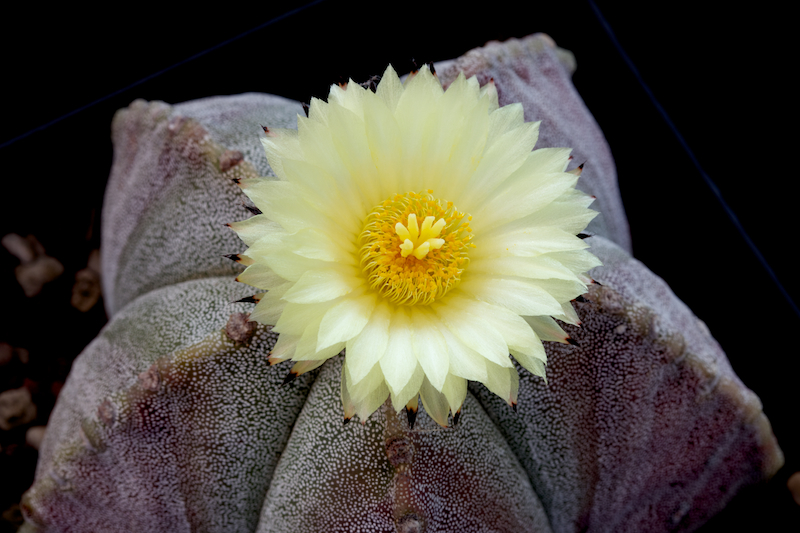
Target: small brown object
(6, 353)
(86, 290)
(229, 159)
(410, 523)
(16, 408)
(106, 412)
(399, 450)
(150, 379)
(35, 268)
(239, 328)
(34, 436)
(794, 486)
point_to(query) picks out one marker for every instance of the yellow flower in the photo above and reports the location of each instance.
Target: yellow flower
(415, 228)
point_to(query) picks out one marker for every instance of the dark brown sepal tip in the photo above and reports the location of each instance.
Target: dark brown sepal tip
(306, 107)
(236, 180)
(580, 167)
(581, 299)
(291, 376)
(346, 421)
(583, 235)
(456, 417)
(597, 283)
(514, 406)
(432, 67)
(266, 129)
(253, 209)
(233, 257)
(572, 341)
(412, 417)
(246, 300)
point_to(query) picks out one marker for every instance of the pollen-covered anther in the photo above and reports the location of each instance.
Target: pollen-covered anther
(409, 263)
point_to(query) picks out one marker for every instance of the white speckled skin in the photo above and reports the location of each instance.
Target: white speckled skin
(168, 425)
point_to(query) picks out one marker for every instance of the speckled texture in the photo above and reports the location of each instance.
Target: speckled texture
(171, 420)
(167, 196)
(166, 427)
(343, 478)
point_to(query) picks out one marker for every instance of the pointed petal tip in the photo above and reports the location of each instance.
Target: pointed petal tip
(253, 209)
(456, 418)
(346, 421)
(572, 341)
(514, 406)
(247, 299)
(412, 417)
(291, 376)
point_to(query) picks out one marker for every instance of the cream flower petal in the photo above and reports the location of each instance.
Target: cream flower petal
(410, 391)
(506, 119)
(529, 242)
(476, 332)
(390, 88)
(261, 276)
(415, 227)
(504, 382)
(284, 349)
(398, 363)
(464, 361)
(255, 228)
(430, 348)
(385, 142)
(345, 320)
(365, 397)
(435, 402)
(314, 243)
(546, 328)
(521, 296)
(366, 349)
(280, 145)
(270, 306)
(316, 286)
(540, 267)
(500, 160)
(532, 364)
(520, 199)
(455, 390)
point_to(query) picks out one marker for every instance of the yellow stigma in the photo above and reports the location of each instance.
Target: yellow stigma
(412, 264)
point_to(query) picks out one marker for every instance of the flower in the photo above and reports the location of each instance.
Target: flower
(415, 228)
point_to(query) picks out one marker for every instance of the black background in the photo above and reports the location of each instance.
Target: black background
(721, 75)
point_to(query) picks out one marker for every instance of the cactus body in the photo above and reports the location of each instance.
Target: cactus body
(172, 420)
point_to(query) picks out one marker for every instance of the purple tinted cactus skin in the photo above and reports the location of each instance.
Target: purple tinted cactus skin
(172, 419)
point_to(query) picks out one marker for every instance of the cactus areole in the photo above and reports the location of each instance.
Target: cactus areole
(416, 228)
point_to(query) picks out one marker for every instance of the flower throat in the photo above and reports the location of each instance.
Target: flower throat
(414, 248)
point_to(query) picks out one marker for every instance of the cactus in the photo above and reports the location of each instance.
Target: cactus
(173, 420)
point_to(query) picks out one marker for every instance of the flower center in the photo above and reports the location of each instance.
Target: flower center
(409, 263)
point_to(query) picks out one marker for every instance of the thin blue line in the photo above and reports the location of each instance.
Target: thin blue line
(706, 177)
(159, 73)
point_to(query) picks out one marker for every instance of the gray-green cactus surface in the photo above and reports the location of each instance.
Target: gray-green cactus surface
(172, 419)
